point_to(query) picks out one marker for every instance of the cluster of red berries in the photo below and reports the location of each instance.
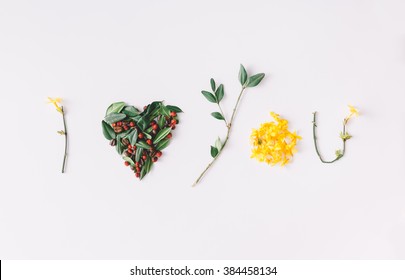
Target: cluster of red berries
(122, 126)
(130, 151)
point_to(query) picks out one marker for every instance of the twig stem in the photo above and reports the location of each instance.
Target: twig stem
(66, 140)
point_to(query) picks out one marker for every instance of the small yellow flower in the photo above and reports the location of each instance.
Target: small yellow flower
(353, 110)
(353, 113)
(273, 143)
(56, 101)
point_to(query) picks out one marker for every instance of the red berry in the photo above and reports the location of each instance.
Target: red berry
(137, 174)
(137, 163)
(126, 163)
(173, 114)
(152, 123)
(169, 136)
(130, 151)
(119, 123)
(126, 127)
(140, 135)
(155, 159)
(129, 146)
(131, 124)
(149, 142)
(158, 153)
(144, 157)
(173, 126)
(173, 121)
(113, 124)
(155, 127)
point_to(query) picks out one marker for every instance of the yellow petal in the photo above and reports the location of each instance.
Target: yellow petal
(353, 110)
(54, 100)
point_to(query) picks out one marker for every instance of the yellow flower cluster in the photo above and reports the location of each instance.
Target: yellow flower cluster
(273, 143)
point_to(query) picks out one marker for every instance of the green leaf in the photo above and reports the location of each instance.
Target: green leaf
(155, 113)
(143, 123)
(142, 144)
(210, 97)
(242, 75)
(136, 118)
(119, 147)
(138, 154)
(146, 167)
(162, 144)
(255, 80)
(161, 122)
(114, 117)
(213, 86)
(143, 173)
(115, 108)
(162, 134)
(214, 151)
(217, 115)
(164, 110)
(108, 131)
(131, 162)
(345, 136)
(130, 111)
(125, 133)
(174, 108)
(133, 136)
(219, 93)
(154, 105)
(218, 144)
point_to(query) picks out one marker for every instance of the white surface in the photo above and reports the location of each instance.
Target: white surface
(318, 55)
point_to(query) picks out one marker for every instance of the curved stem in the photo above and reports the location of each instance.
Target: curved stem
(228, 125)
(66, 141)
(314, 126)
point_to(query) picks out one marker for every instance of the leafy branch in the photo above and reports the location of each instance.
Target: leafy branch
(216, 97)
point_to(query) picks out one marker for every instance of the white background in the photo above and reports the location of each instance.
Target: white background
(317, 55)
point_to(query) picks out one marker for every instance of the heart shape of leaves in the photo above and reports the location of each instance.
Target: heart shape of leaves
(139, 137)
